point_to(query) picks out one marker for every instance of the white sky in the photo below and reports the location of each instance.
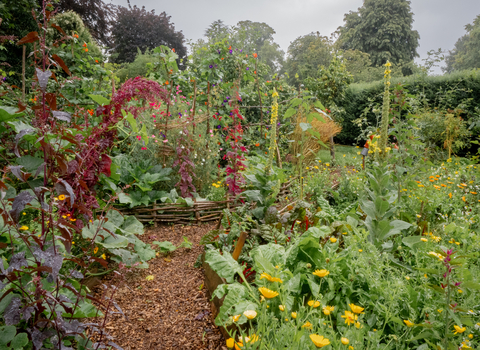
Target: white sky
(439, 22)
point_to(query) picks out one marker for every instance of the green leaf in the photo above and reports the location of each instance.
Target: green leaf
(224, 265)
(124, 198)
(289, 113)
(412, 241)
(132, 121)
(102, 101)
(9, 113)
(19, 341)
(305, 126)
(7, 333)
(114, 242)
(295, 102)
(470, 285)
(319, 104)
(30, 163)
(166, 246)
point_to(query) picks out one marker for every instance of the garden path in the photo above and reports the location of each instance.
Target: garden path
(171, 311)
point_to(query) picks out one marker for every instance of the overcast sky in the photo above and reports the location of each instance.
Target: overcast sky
(439, 22)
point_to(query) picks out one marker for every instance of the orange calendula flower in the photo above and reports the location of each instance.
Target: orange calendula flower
(319, 340)
(270, 278)
(450, 194)
(95, 250)
(255, 55)
(267, 293)
(349, 317)
(356, 309)
(321, 273)
(236, 318)
(61, 197)
(173, 49)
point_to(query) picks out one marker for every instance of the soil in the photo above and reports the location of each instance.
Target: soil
(171, 311)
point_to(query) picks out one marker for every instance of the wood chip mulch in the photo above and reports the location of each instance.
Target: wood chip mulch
(171, 311)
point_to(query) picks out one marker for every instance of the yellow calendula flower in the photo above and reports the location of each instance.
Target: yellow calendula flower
(327, 310)
(294, 315)
(267, 293)
(307, 325)
(236, 318)
(345, 341)
(281, 307)
(349, 317)
(23, 228)
(270, 278)
(95, 250)
(360, 250)
(321, 273)
(252, 339)
(424, 239)
(319, 340)
(230, 343)
(250, 314)
(333, 239)
(356, 309)
(459, 329)
(314, 303)
(408, 323)
(104, 257)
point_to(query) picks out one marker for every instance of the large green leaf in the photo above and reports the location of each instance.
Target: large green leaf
(289, 113)
(114, 242)
(224, 265)
(102, 101)
(19, 341)
(166, 246)
(7, 333)
(9, 113)
(30, 163)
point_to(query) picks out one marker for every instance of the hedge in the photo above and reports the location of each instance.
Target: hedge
(460, 87)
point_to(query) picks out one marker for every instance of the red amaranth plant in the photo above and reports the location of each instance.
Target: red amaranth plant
(235, 155)
(186, 166)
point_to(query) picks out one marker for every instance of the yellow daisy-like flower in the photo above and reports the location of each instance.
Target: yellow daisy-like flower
(268, 293)
(61, 197)
(319, 340)
(270, 278)
(23, 228)
(408, 323)
(345, 341)
(314, 303)
(307, 325)
(349, 317)
(459, 329)
(356, 309)
(321, 273)
(294, 315)
(250, 314)
(104, 257)
(327, 310)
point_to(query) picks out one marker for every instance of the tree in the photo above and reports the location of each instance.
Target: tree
(466, 53)
(95, 14)
(138, 28)
(217, 31)
(306, 55)
(383, 29)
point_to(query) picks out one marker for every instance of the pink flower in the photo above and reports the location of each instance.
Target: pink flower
(144, 148)
(165, 141)
(153, 136)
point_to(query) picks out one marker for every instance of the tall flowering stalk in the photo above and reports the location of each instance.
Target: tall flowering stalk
(235, 156)
(385, 113)
(273, 132)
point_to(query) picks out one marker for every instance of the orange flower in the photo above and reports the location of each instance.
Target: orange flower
(246, 55)
(254, 72)
(86, 50)
(255, 55)
(257, 144)
(229, 47)
(166, 83)
(84, 44)
(173, 49)
(75, 36)
(222, 58)
(96, 61)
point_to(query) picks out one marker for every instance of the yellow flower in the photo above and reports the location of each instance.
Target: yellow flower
(424, 239)
(236, 318)
(26, 213)
(407, 278)
(23, 228)
(250, 314)
(349, 317)
(327, 164)
(321, 273)
(459, 329)
(95, 250)
(149, 278)
(314, 303)
(463, 198)
(333, 239)
(307, 325)
(252, 339)
(345, 341)
(450, 194)
(408, 323)
(294, 315)
(358, 325)
(470, 336)
(319, 340)
(61, 197)
(104, 257)
(350, 347)
(270, 278)
(230, 343)
(281, 307)
(360, 250)
(267, 293)
(328, 309)
(439, 310)
(356, 309)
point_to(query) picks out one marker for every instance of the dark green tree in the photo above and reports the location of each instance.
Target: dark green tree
(306, 55)
(217, 31)
(383, 29)
(466, 54)
(136, 28)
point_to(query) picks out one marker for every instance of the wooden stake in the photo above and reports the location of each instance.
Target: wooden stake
(23, 73)
(239, 246)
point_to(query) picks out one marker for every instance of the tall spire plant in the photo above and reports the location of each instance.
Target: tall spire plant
(273, 133)
(385, 114)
